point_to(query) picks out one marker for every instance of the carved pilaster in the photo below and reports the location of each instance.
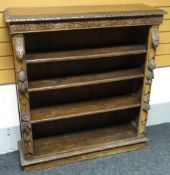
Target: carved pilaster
(153, 42)
(23, 97)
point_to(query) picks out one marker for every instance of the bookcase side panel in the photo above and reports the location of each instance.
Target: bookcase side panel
(153, 42)
(23, 96)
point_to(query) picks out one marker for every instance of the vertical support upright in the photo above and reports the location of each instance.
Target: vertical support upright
(153, 42)
(23, 96)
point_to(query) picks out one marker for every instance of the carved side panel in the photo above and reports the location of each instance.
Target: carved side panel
(23, 97)
(153, 42)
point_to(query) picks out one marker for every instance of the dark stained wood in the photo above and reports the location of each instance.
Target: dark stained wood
(82, 80)
(85, 93)
(28, 167)
(79, 12)
(38, 71)
(29, 20)
(88, 39)
(90, 72)
(85, 54)
(83, 142)
(79, 25)
(83, 108)
(22, 93)
(83, 123)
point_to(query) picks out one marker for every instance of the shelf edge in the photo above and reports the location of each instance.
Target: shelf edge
(38, 160)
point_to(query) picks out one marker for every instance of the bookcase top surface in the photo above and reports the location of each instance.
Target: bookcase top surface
(79, 12)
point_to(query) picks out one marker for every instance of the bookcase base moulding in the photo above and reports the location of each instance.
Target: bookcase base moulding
(83, 78)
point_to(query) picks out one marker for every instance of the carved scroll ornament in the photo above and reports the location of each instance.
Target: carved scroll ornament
(149, 77)
(146, 100)
(22, 83)
(151, 64)
(21, 75)
(155, 37)
(26, 126)
(20, 51)
(22, 86)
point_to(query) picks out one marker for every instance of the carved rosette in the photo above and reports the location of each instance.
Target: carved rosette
(149, 75)
(23, 97)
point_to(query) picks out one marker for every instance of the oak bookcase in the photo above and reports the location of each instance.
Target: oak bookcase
(83, 78)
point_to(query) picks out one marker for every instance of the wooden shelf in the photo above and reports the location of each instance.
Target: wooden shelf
(82, 80)
(84, 142)
(78, 109)
(85, 53)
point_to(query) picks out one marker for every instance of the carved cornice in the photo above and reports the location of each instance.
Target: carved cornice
(79, 16)
(80, 13)
(87, 24)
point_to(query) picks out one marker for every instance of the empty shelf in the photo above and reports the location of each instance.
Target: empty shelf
(82, 80)
(71, 144)
(85, 53)
(83, 108)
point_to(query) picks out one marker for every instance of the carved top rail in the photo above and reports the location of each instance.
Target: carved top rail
(24, 20)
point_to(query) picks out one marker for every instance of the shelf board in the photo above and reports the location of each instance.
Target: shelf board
(78, 143)
(83, 80)
(78, 109)
(85, 53)
(47, 161)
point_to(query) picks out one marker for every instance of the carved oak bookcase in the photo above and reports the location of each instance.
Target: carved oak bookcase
(83, 78)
